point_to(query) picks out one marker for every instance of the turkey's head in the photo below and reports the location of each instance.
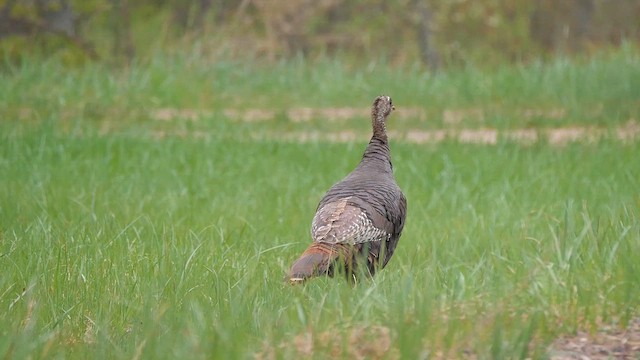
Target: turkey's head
(382, 107)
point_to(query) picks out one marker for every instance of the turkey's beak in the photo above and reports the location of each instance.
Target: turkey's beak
(393, 107)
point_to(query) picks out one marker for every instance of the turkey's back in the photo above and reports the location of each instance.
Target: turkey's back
(365, 210)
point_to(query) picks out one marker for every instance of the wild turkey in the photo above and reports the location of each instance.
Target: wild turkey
(360, 218)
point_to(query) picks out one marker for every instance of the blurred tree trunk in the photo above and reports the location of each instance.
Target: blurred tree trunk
(190, 15)
(123, 44)
(180, 15)
(287, 24)
(199, 19)
(428, 54)
(45, 16)
(542, 26)
(582, 19)
(562, 25)
(624, 23)
(59, 17)
(224, 9)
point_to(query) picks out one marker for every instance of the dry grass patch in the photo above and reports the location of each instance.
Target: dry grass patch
(606, 343)
(450, 117)
(361, 342)
(555, 136)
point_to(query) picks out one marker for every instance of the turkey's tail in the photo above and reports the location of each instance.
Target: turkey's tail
(318, 259)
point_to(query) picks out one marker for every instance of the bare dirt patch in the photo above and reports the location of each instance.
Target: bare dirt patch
(560, 136)
(249, 115)
(371, 342)
(296, 115)
(330, 114)
(607, 343)
(452, 118)
(629, 131)
(171, 114)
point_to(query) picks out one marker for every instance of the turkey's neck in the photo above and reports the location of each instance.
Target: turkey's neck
(377, 155)
(379, 127)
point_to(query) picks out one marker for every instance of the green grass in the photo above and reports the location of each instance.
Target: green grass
(600, 91)
(115, 243)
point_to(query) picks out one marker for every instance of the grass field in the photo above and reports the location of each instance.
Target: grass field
(119, 243)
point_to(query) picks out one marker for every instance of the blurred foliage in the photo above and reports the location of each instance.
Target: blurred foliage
(435, 33)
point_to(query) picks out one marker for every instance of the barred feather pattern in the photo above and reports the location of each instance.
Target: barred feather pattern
(360, 218)
(342, 222)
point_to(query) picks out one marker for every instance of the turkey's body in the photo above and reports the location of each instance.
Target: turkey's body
(359, 220)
